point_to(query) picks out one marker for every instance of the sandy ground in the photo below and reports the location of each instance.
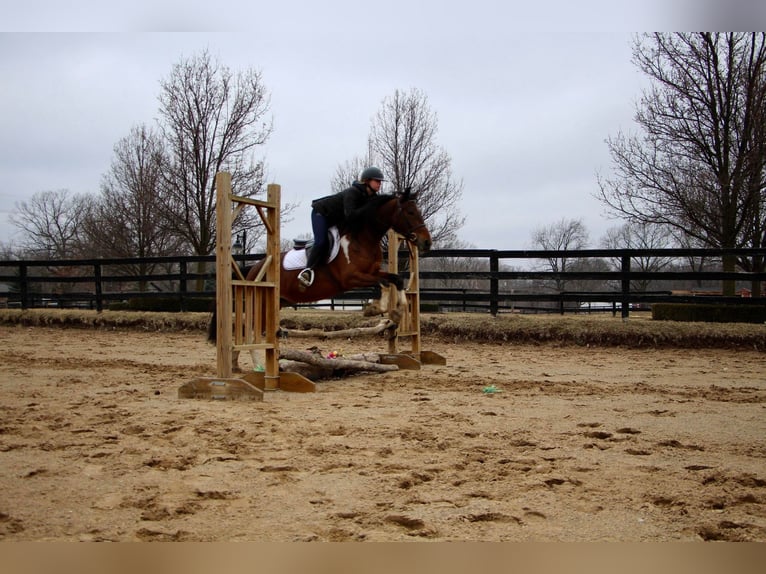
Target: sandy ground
(577, 444)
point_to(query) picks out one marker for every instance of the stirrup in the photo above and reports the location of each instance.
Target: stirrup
(306, 277)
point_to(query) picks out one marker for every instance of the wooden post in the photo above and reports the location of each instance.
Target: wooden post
(223, 274)
(409, 325)
(271, 294)
(247, 312)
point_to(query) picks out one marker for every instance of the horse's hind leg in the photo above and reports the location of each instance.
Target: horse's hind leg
(392, 302)
(258, 356)
(235, 362)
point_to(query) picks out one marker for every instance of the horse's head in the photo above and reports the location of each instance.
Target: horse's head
(408, 221)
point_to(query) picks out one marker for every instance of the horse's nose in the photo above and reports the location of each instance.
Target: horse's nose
(425, 245)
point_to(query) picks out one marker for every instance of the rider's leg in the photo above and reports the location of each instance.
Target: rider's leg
(320, 228)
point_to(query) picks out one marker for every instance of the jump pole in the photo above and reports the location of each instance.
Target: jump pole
(247, 312)
(409, 324)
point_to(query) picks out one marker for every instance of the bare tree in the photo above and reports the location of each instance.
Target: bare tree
(349, 172)
(694, 262)
(640, 236)
(456, 264)
(51, 223)
(8, 252)
(127, 220)
(211, 120)
(700, 164)
(755, 214)
(403, 143)
(564, 235)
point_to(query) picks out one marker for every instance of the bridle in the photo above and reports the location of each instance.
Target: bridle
(409, 234)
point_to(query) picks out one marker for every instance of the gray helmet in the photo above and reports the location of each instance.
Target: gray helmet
(372, 173)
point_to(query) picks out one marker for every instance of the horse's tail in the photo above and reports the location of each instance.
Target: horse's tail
(212, 328)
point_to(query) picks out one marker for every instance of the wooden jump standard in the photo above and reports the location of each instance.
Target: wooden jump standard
(409, 323)
(247, 312)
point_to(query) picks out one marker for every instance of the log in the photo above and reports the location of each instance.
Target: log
(340, 334)
(369, 357)
(334, 364)
(312, 372)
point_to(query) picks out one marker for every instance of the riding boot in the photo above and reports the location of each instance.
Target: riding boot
(306, 277)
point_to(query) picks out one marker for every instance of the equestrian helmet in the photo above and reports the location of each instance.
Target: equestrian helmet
(372, 173)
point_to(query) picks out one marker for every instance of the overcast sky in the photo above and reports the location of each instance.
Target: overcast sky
(525, 97)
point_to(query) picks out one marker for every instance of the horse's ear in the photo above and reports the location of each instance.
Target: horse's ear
(406, 194)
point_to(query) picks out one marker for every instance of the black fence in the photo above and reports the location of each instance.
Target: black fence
(487, 287)
(623, 287)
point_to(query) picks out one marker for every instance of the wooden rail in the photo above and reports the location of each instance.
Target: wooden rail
(94, 283)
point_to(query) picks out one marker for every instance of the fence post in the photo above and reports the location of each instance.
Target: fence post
(99, 288)
(494, 284)
(23, 286)
(625, 269)
(182, 287)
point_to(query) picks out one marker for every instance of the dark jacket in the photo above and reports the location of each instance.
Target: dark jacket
(343, 205)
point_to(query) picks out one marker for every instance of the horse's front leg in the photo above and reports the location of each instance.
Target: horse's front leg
(394, 279)
(361, 279)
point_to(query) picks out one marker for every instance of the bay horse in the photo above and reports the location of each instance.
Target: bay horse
(360, 257)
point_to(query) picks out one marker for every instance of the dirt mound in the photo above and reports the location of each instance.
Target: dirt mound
(639, 331)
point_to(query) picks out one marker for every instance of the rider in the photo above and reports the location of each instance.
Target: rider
(335, 209)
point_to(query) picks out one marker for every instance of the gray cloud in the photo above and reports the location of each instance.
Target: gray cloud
(525, 97)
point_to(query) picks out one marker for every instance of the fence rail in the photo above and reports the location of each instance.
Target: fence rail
(94, 283)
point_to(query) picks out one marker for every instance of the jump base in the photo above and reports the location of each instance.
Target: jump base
(287, 381)
(215, 388)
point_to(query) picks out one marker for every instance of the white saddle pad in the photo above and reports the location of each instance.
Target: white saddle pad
(296, 258)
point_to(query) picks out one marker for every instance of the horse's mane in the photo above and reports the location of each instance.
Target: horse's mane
(367, 215)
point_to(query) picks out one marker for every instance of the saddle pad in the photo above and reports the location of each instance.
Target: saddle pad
(296, 258)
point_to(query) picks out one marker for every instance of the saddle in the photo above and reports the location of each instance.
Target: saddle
(306, 244)
(296, 258)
